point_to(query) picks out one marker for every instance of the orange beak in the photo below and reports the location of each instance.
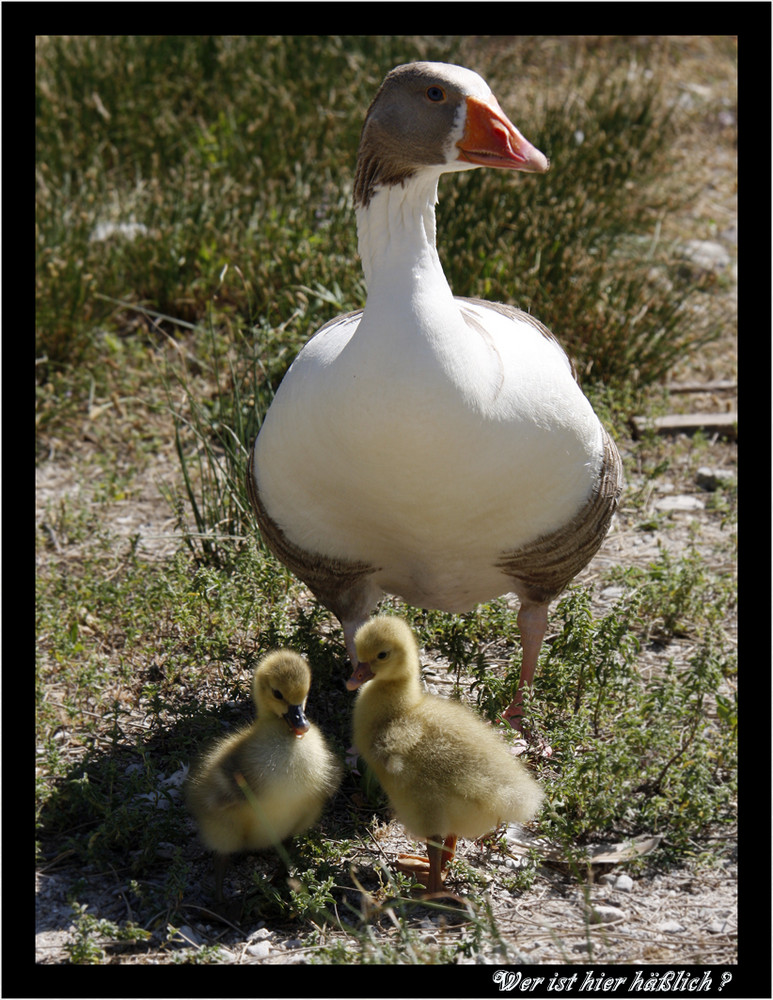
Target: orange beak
(491, 139)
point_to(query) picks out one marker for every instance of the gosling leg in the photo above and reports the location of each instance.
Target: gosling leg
(220, 864)
(439, 852)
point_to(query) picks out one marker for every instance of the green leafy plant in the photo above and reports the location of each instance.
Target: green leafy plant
(90, 934)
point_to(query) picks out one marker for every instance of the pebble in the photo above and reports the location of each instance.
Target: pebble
(129, 230)
(260, 949)
(601, 914)
(730, 235)
(719, 926)
(185, 935)
(612, 593)
(706, 254)
(623, 883)
(726, 119)
(680, 502)
(712, 479)
(670, 927)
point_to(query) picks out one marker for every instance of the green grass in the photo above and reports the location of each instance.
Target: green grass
(236, 155)
(227, 163)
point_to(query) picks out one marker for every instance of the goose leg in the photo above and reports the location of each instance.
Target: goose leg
(350, 627)
(533, 623)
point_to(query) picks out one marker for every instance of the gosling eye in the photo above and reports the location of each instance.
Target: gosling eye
(436, 94)
(383, 654)
(277, 694)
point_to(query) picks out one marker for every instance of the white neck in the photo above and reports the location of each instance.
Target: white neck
(411, 322)
(397, 242)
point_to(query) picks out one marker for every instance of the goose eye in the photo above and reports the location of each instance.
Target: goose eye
(383, 654)
(277, 694)
(436, 94)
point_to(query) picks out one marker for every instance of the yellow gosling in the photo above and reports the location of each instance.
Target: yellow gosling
(446, 772)
(268, 781)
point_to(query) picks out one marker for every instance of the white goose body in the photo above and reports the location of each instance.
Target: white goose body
(432, 506)
(416, 446)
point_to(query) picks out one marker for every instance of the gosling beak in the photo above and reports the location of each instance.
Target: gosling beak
(361, 674)
(490, 139)
(296, 720)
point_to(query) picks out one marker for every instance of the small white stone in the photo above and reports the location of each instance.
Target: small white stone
(681, 502)
(128, 230)
(186, 935)
(177, 779)
(624, 883)
(670, 927)
(260, 949)
(707, 254)
(601, 914)
(712, 479)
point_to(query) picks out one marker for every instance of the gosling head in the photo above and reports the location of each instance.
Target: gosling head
(281, 685)
(386, 648)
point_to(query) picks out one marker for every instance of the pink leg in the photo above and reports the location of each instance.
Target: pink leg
(350, 628)
(533, 623)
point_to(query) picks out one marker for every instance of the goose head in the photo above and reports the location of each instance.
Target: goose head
(280, 687)
(439, 116)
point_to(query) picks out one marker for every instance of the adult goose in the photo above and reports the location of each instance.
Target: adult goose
(433, 447)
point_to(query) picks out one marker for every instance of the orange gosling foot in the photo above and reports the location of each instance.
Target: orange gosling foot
(430, 871)
(415, 866)
(420, 870)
